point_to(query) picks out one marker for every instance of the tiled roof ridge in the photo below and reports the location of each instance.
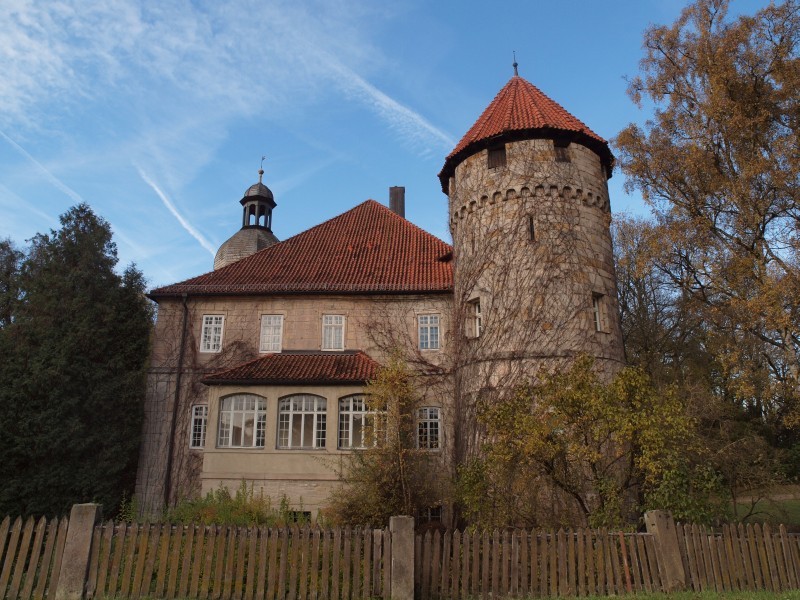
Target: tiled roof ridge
(233, 278)
(368, 202)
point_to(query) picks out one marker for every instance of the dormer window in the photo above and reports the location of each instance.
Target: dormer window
(497, 157)
(561, 148)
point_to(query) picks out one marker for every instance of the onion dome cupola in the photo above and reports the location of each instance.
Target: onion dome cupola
(256, 232)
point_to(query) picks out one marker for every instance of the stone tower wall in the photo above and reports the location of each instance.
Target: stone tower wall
(533, 247)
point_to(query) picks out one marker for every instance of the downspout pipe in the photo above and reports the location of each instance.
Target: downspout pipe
(174, 423)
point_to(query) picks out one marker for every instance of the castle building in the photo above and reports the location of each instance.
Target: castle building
(258, 367)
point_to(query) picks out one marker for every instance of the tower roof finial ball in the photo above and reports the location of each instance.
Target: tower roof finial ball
(515, 65)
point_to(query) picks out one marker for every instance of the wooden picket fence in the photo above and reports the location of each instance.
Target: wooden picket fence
(530, 563)
(30, 557)
(585, 562)
(196, 561)
(748, 557)
(259, 563)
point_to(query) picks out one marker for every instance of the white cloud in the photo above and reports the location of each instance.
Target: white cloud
(216, 60)
(171, 207)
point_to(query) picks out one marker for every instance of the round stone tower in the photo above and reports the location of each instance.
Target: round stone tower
(533, 266)
(256, 232)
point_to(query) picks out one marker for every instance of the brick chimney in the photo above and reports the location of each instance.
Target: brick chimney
(397, 200)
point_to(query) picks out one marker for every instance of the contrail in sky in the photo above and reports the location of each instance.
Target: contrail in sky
(409, 122)
(171, 207)
(400, 115)
(52, 178)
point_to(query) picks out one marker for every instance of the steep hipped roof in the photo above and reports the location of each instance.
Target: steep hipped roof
(368, 249)
(519, 111)
(289, 368)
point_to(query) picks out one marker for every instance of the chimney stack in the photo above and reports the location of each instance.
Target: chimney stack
(397, 200)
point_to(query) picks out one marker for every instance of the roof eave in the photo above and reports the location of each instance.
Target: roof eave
(199, 291)
(599, 147)
(285, 382)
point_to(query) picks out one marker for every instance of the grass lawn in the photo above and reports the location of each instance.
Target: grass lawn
(793, 595)
(774, 511)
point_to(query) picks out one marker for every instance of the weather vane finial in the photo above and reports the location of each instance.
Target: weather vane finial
(261, 169)
(516, 74)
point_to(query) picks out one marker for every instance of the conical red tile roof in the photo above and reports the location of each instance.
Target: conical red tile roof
(519, 110)
(368, 249)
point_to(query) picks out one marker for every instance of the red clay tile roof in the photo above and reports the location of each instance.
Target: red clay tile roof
(520, 108)
(289, 368)
(368, 249)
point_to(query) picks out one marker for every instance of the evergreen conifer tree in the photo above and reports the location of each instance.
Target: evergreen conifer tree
(72, 376)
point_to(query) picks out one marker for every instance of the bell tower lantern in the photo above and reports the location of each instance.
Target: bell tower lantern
(258, 203)
(256, 232)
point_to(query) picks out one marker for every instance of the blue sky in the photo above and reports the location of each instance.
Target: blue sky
(157, 113)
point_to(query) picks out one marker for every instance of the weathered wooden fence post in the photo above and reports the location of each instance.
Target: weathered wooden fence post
(77, 550)
(661, 525)
(402, 578)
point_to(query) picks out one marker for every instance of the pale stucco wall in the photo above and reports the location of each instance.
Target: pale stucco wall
(373, 323)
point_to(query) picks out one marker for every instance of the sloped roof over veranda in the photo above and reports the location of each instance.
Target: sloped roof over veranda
(299, 367)
(521, 111)
(368, 249)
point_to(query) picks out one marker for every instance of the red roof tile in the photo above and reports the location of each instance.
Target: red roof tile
(289, 368)
(368, 249)
(520, 107)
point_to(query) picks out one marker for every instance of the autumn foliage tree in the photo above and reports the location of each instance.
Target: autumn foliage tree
(611, 450)
(718, 164)
(391, 475)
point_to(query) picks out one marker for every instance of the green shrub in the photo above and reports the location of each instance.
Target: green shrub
(244, 508)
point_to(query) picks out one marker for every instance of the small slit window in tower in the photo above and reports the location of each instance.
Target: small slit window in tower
(561, 148)
(597, 311)
(475, 319)
(497, 157)
(531, 229)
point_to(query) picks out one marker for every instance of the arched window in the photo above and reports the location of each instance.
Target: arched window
(242, 421)
(359, 426)
(301, 421)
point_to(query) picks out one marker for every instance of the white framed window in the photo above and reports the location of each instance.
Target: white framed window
(197, 431)
(271, 333)
(242, 421)
(333, 332)
(432, 514)
(211, 336)
(428, 427)
(474, 318)
(301, 421)
(359, 427)
(428, 328)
